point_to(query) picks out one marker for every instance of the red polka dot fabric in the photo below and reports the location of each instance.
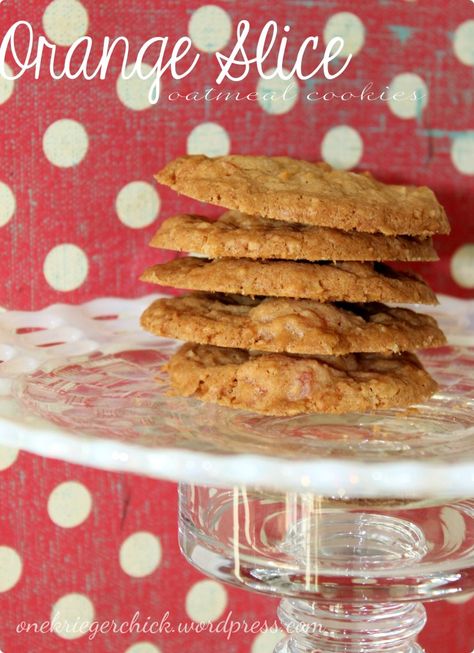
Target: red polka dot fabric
(87, 547)
(78, 205)
(77, 195)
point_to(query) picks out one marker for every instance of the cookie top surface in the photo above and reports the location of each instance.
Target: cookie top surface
(282, 384)
(324, 282)
(299, 326)
(292, 190)
(240, 235)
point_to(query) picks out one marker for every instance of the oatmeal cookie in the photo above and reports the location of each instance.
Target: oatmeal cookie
(325, 282)
(285, 384)
(238, 235)
(292, 190)
(298, 326)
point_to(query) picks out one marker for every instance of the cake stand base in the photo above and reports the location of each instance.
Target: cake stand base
(343, 628)
(352, 574)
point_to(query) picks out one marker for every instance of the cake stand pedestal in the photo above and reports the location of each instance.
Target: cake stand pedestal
(353, 520)
(352, 576)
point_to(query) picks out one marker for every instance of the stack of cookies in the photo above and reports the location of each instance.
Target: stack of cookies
(288, 311)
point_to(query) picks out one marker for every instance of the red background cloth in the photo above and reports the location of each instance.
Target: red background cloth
(115, 145)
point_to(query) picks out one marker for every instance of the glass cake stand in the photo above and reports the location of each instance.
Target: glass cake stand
(353, 520)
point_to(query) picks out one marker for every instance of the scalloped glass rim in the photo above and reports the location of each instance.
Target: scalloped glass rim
(110, 325)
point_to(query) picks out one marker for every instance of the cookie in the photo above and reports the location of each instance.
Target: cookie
(240, 235)
(298, 326)
(325, 282)
(285, 384)
(314, 193)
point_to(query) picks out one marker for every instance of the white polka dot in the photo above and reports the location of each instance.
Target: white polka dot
(462, 266)
(8, 455)
(462, 153)
(460, 599)
(277, 96)
(65, 21)
(10, 568)
(408, 95)
(7, 204)
(69, 504)
(140, 554)
(463, 43)
(137, 204)
(73, 615)
(206, 601)
(134, 92)
(266, 641)
(210, 28)
(143, 647)
(208, 138)
(65, 143)
(342, 147)
(7, 86)
(349, 27)
(66, 267)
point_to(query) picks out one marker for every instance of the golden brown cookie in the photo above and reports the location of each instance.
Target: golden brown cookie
(298, 326)
(314, 193)
(325, 282)
(240, 235)
(284, 384)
